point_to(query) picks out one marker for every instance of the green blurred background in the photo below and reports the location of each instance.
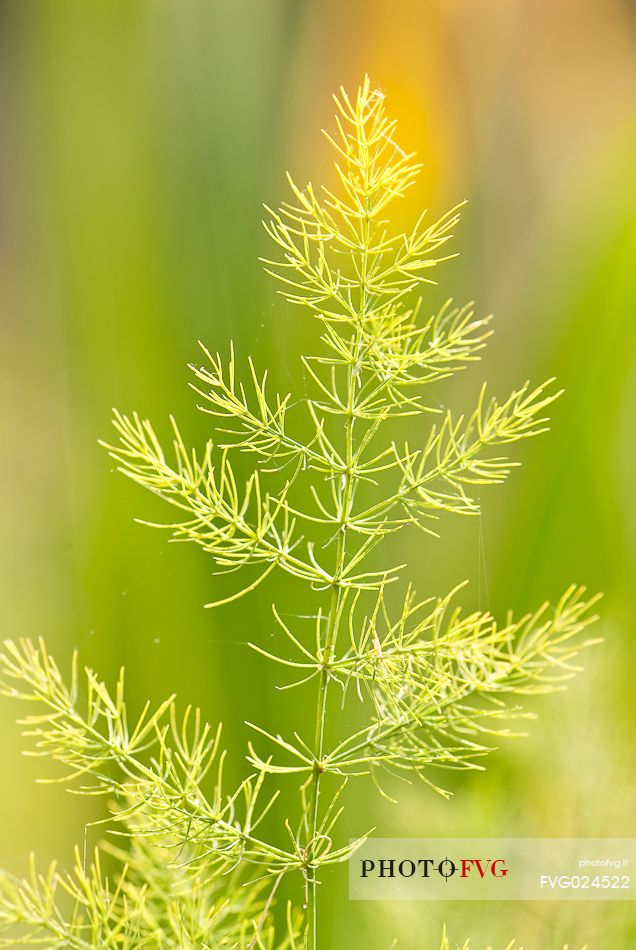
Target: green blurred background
(138, 142)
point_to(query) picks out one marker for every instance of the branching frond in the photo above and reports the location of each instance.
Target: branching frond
(468, 945)
(339, 258)
(395, 349)
(236, 527)
(79, 910)
(457, 454)
(155, 767)
(324, 237)
(261, 429)
(442, 683)
(146, 904)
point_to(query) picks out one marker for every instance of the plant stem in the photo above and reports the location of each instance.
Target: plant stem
(321, 719)
(338, 591)
(328, 651)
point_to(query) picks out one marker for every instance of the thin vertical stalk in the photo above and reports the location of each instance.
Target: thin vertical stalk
(328, 650)
(337, 596)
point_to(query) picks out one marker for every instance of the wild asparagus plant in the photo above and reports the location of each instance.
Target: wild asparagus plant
(513, 945)
(434, 684)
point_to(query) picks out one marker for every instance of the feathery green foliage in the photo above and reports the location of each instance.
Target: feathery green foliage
(434, 685)
(513, 945)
